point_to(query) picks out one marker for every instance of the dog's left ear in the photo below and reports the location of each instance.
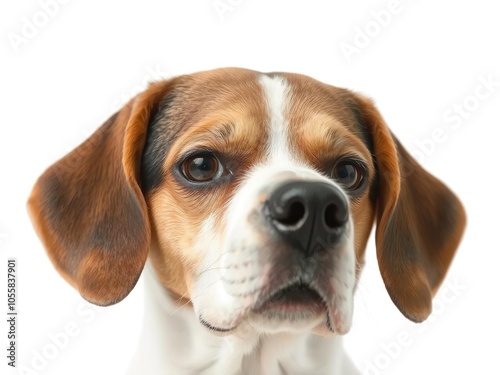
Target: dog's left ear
(419, 221)
(88, 208)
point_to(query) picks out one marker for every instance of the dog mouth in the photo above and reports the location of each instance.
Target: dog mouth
(298, 302)
(297, 298)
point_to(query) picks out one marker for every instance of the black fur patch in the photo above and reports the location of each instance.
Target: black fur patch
(159, 138)
(362, 132)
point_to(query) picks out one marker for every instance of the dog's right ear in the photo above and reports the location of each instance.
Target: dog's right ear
(420, 221)
(88, 209)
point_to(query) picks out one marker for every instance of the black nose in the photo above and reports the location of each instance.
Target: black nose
(310, 215)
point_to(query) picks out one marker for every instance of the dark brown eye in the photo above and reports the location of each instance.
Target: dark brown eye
(348, 173)
(201, 168)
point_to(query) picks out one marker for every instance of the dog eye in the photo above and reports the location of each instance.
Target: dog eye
(201, 168)
(349, 173)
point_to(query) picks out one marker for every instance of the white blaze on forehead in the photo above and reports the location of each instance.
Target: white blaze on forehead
(276, 90)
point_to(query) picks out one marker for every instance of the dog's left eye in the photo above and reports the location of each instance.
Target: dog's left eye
(349, 173)
(201, 168)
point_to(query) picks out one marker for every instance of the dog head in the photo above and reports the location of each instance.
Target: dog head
(254, 196)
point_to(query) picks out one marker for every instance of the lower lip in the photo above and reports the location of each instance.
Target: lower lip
(292, 305)
(291, 308)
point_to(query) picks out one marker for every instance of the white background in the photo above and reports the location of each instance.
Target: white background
(90, 57)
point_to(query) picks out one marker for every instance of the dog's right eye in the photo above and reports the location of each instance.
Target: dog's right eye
(201, 168)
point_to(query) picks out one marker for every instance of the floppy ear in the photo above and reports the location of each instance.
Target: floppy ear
(88, 209)
(419, 222)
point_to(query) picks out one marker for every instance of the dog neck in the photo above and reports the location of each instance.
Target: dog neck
(174, 342)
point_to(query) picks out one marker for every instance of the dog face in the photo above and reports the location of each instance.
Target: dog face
(254, 196)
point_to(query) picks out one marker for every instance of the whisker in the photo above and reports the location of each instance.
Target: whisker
(215, 260)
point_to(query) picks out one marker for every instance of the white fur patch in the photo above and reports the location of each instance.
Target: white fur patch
(276, 92)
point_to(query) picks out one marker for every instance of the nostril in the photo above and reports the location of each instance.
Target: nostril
(296, 213)
(334, 216)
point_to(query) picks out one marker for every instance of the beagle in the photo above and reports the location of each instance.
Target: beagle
(248, 200)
